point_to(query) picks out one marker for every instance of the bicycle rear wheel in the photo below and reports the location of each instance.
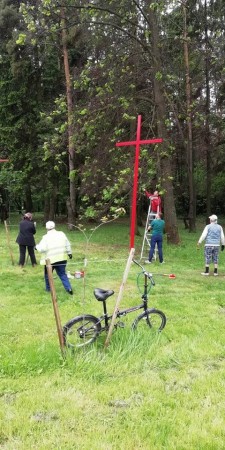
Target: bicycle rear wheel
(153, 318)
(81, 331)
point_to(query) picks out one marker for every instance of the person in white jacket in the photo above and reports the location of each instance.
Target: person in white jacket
(55, 247)
(214, 236)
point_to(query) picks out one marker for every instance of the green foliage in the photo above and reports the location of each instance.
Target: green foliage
(111, 68)
(21, 39)
(13, 183)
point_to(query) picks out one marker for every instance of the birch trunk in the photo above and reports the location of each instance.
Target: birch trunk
(160, 102)
(71, 201)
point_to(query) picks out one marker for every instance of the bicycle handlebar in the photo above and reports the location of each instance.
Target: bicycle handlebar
(149, 275)
(138, 264)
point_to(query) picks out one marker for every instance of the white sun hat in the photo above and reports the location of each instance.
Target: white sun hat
(213, 218)
(50, 225)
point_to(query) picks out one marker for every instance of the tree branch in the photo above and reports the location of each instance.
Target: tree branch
(104, 9)
(141, 11)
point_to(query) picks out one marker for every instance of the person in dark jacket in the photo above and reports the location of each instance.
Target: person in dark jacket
(25, 239)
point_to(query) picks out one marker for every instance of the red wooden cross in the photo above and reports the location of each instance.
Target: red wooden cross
(137, 143)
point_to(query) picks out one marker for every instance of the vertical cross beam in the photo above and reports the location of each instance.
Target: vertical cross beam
(137, 144)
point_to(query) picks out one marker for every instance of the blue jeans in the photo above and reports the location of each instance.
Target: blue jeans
(60, 268)
(156, 239)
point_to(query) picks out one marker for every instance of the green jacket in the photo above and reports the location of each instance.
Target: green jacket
(157, 226)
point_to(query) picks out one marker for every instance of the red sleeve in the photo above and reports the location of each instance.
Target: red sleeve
(148, 194)
(159, 204)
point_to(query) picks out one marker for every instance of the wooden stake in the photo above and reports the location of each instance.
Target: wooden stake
(129, 261)
(55, 306)
(8, 240)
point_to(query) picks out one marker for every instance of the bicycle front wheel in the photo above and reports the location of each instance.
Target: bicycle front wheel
(81, 331)
(153, 318)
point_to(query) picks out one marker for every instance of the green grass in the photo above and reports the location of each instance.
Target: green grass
(143, 392)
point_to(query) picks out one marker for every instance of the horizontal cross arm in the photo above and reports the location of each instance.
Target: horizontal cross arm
(144, 141)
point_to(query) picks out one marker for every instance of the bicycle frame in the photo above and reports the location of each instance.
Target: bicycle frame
(106, 318)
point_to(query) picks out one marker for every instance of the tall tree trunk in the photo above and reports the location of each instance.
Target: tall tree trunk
(52, 206)
(160, 102)
(46, 208)
(28, 199)
(190, 151)
(71, 201)
(207, 135)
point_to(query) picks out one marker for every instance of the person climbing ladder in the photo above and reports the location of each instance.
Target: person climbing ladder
(157, 226)
(155, 201)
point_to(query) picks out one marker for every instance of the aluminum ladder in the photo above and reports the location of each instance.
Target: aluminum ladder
(147, 235)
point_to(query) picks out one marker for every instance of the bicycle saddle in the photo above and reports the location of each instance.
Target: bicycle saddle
(101, 294)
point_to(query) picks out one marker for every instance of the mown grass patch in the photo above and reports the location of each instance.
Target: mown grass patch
(142, 392)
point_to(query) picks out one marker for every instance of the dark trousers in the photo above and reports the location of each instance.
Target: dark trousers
(60, 268)
(156, 239)
(30, 250)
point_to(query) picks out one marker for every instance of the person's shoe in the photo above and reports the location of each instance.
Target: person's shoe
(215, 274)
(205, 273)
(147, 261)
(70, 292)
(162, 262)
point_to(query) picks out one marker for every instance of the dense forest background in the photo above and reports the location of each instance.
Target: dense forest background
(74, 77)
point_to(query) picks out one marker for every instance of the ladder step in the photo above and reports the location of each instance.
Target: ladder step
(147, 235)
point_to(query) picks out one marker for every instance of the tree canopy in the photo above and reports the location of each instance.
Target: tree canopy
(75, 76)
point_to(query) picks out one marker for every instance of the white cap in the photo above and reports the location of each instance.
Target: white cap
(213, 218)
(50, 225)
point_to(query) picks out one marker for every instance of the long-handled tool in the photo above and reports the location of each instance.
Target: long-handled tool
(8, 241)
(169, 275)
